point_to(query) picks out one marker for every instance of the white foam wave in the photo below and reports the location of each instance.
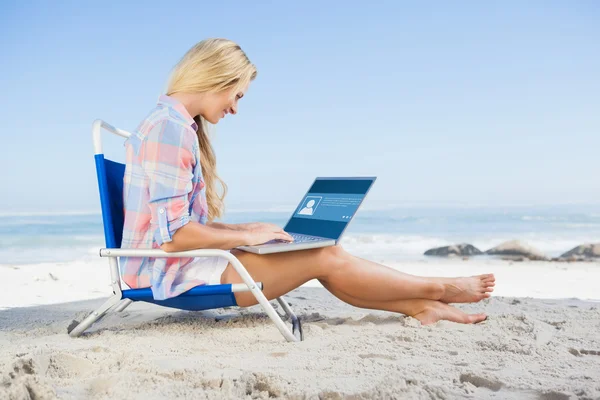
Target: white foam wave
(542, 218)
(45, 254)
(581, 225)
(413, 246)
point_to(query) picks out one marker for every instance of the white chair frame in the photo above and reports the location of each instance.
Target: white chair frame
(118, 304)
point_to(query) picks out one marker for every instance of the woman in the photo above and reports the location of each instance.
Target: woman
(171, 201)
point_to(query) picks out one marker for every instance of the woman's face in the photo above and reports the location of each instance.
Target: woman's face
(218, 105)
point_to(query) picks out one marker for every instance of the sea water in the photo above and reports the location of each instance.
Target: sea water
(396, 233)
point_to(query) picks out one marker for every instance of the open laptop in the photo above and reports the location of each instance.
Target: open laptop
(322, 216)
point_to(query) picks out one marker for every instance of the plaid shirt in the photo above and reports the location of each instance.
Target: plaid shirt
(163, 190)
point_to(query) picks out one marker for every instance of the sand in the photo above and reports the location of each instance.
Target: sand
(527, 349)
(541, 341)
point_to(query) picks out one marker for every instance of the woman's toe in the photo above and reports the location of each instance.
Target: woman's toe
(475, 318)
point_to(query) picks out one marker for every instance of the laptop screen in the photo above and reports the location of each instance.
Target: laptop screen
(329, 206)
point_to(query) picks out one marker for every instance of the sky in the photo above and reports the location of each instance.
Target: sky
(466, 103)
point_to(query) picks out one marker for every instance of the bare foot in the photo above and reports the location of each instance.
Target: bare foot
(467, 289)
(437, 311)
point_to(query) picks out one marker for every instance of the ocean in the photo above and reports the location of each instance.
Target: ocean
(396, 233)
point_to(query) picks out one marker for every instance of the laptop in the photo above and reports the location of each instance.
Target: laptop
(322, 215)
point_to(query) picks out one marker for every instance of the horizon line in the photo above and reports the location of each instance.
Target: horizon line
(285, 208)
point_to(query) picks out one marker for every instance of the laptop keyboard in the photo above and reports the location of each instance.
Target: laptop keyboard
(298, 238)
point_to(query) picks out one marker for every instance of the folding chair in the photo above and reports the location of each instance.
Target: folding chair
(110, 183)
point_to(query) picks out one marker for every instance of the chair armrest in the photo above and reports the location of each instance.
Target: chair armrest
(241, 287)
(156, 253)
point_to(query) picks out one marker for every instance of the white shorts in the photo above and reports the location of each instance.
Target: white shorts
(208, 269)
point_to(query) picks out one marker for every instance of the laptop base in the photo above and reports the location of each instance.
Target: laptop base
(284, 247)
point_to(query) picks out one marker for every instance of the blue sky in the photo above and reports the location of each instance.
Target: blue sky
(465, 103)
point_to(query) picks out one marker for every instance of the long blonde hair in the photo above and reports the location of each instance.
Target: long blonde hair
(212, 65)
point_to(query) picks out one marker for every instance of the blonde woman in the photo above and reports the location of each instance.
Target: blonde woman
(171, 201)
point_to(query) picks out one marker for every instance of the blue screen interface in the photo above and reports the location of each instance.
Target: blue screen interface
(328, 207)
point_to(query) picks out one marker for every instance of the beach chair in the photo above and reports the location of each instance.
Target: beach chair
(110, 183)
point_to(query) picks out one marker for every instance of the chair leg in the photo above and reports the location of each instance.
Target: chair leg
(124, 304)
(94, 316)
(256, 291)
(296, 324)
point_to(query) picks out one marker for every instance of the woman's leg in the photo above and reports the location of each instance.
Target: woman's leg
(344, 273)
(426, 311)
(283, 272)
(457, 290)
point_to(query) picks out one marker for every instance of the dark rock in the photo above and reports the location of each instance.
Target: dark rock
(514, 258)
(516, 250)
(583, 252)
(463, 249)
(569, 259)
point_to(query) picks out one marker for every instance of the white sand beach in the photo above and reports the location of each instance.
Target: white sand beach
(530, 348)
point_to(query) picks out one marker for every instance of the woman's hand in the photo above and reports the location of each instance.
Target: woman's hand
(262, 232)
(253, 225)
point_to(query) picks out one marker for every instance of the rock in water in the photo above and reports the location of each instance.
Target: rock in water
(462, 249)
(583, 252)
(517, 249)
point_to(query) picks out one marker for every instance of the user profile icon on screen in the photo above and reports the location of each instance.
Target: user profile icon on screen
(310, 205)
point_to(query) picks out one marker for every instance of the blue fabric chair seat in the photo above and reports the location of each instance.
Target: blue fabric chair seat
(195, 299)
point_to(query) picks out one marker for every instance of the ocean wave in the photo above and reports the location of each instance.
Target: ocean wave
(43, 254)
(374, 231)
(47, 240)
(416, 245)
(373, 246)
(542, 218)
(580, 225)
(392, 245)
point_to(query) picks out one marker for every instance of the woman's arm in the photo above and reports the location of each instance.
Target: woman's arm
(242, 227)
(221, 225)
(195, 235)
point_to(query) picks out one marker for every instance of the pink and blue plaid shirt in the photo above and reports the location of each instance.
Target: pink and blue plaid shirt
(163, 190)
